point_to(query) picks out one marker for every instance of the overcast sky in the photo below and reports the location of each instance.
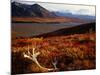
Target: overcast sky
(74, 9)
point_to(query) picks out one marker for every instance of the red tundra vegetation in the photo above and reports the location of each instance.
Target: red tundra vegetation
(56, 53)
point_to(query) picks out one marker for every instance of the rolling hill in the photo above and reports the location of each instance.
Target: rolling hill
(84, 28)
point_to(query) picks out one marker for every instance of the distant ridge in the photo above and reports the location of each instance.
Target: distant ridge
(69, 14)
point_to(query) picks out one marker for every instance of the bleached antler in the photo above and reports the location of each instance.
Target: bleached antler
(33, 56)
(55, 63)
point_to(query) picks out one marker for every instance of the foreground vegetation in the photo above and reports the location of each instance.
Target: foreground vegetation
(59, 53)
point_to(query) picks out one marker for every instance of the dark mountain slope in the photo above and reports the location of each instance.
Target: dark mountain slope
(24, 10)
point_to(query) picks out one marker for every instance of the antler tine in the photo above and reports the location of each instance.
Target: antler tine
(29, 51)
(54, 63)
(25, 55)
(55, 60)
(33, 51)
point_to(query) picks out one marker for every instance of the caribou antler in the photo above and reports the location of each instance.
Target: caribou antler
(55, 63)
(33, 56)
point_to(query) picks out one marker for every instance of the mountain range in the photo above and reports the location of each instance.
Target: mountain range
(24, 10)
